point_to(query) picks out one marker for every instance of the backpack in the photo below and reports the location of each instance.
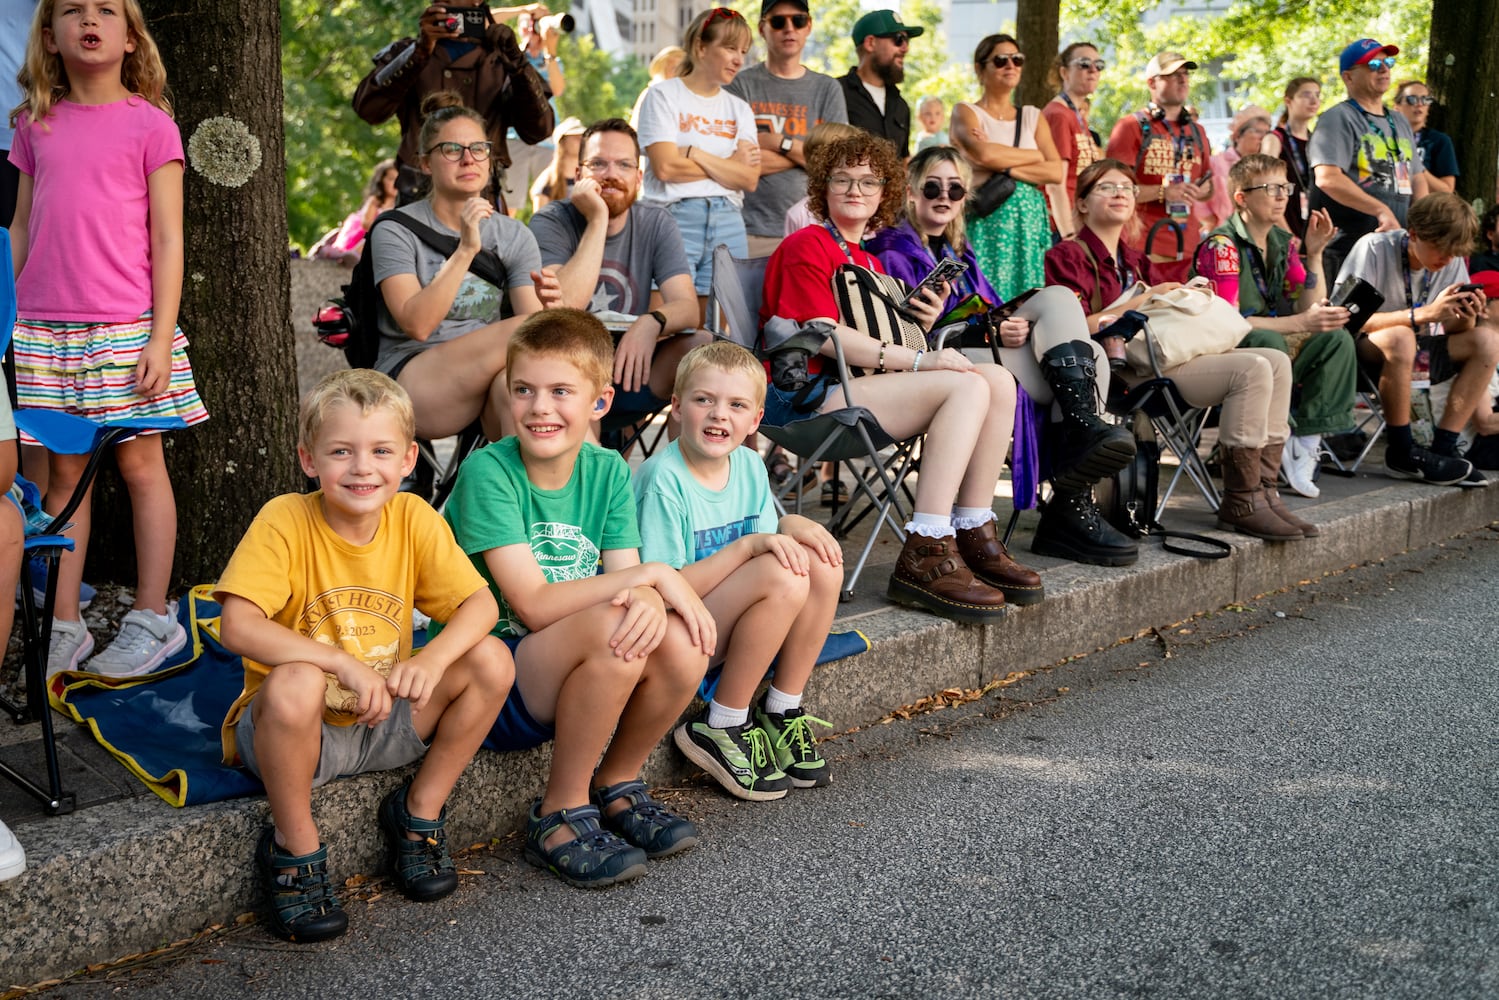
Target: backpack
(1128, 499)
(351, 322)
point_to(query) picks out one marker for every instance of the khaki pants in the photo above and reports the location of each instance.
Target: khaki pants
(1252, 384)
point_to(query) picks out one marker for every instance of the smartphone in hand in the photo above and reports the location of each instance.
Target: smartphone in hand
(947, 269)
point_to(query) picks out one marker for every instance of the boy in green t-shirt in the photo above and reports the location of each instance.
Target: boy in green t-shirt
(771, 584)
(318, 598)
(595, 653)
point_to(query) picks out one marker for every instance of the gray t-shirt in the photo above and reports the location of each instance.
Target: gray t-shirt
(397, 250)
(646, 252)
(789, 107)
(1376, 258)
(1376, 152)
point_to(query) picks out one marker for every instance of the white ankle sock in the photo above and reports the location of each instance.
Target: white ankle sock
(966, 518)
(723, 717)
(778, 702)
(930, 525)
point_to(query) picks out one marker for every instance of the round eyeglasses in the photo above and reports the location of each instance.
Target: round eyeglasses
(453, 151)
(932, 190)
(843, 184)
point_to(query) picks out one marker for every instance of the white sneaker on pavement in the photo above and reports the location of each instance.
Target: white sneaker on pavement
(146, 640)
(1298, 463)
(12, 858)
(70, 646)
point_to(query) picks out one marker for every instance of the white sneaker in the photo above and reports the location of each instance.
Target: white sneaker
(1298, 463)
(12, 858)
(145, 642)
(71, 644)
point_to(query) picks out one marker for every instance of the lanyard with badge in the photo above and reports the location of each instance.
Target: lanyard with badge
(1261, 283)
(1412, 302)
(1179, 141)
(838, 239)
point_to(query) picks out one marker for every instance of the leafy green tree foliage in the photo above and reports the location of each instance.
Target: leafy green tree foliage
(599, 85)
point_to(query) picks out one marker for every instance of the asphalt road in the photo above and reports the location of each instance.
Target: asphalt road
(1258, 806)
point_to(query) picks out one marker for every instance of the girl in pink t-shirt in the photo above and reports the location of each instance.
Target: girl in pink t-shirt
(98, 263)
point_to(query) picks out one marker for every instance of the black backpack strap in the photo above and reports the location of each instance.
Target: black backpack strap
(486, 263)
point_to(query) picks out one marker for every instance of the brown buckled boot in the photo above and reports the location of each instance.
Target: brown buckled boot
(1244, 508)
(1269, 475)
(930, 574)
(986, 556)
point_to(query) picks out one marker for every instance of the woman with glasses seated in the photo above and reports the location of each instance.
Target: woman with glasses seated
(953, 563)
(1253, 385)
(998, 137)
(1045, 345)
(1075, 75)
(444, 329)
(1434, 148)
(701, 148)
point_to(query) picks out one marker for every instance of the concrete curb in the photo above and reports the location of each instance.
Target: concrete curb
(130, 875)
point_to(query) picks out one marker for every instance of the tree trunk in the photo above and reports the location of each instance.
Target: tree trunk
(1464, 62)
(1036, 28)
(223, 61)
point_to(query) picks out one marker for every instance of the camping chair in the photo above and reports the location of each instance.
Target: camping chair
(1371, 425)
(841, 436)
(66, 434)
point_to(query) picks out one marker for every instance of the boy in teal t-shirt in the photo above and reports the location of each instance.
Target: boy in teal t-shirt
(771, 585)
(601, 667)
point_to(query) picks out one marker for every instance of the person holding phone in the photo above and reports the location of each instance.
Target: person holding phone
(490, 73)
(1429, 304)
(1044, 343)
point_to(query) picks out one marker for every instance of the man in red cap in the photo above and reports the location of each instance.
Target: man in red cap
(1169, 151)
(1363, 156)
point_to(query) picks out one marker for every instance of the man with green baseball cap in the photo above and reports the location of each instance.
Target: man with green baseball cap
(871, 89)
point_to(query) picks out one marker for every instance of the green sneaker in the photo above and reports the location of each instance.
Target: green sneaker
(794, 745)
(739, 758)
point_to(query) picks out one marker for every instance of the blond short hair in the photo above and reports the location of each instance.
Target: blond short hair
(364, 388)
(573, 335)
(725, 357)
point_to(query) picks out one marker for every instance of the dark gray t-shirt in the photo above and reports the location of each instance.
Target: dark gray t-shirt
(789, 107)
(646, 252)
(1376, 152)
(397, 250)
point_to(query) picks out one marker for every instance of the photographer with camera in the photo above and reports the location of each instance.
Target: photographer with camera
(460, 48)
(1043, 342)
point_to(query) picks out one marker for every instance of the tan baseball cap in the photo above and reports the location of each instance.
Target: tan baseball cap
(1166, 63)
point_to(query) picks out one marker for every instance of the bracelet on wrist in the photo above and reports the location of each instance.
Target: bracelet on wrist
(916, 365)
(881, 363)
(688, 154)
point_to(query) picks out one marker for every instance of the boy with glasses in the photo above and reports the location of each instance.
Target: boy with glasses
(788, 100)
(1363, 156)
(608, 252)
(870, 89)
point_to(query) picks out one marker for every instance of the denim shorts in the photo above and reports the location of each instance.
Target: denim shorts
(704, 224)
(347, 750)
(515, 729)
(778, 409)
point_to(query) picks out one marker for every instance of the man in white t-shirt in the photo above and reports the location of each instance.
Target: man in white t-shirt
(1428, 304)
(870, 89)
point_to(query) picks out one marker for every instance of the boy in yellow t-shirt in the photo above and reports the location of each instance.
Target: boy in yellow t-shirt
(318, 598)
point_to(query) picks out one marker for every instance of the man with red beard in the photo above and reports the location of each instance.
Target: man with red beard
(607, 252)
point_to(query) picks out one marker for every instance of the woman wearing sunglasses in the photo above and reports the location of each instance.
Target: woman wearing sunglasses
(996, 137)
(953, 563)
(1075, 75)
(1045, 345)
(1414, 101)
(701, 149)
(442, 335)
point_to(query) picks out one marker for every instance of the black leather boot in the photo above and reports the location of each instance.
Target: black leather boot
(1073, 528)
(1088, 447)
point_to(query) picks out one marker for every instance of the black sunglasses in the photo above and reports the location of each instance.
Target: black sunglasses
(898, 39)
(798, 21)
(932, 190)
(1002, 59)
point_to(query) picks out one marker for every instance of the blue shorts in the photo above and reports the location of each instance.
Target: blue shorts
(515, 729)
(778, 409)
(704, 224)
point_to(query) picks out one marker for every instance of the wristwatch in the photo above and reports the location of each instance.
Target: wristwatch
(786, 143)
(659, 317)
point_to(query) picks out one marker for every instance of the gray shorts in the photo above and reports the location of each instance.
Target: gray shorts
(347, 750)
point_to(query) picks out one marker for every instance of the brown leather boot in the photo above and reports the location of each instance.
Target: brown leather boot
(1269, 475)
(986, 556)
(930, 574)
(1244, 508)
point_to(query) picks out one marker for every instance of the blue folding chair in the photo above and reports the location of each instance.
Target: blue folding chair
(66, 434)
